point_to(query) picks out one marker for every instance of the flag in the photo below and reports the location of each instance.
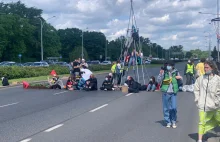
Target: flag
(53, 73)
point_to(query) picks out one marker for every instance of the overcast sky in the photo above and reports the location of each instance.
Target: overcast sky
(165, 22)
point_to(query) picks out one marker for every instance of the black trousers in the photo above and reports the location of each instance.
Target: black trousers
(189, 79)
(108, 87)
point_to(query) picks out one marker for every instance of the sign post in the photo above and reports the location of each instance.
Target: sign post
(19, 56)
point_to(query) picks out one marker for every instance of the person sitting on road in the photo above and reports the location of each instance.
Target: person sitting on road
(5, 81)
(91, 84)
(69, 84)
(108, 83)
(133, 86)
(152, 85)
(85, 73)
(56, 82)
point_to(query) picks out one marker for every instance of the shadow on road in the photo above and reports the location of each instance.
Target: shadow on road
(212, 134)
(161, 122)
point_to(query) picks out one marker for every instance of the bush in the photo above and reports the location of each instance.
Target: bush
(99, 67)
(15, 72)
(25, 72)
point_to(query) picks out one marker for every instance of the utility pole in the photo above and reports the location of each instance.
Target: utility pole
(41, 35)
(106, 49)
(82, 46)
(218, 28)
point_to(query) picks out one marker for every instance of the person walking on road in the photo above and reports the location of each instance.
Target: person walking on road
(207, 98)
(169, 88)
(189, 72)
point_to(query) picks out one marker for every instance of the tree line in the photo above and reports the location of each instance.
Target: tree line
(20, 31)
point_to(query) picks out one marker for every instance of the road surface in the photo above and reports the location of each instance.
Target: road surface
(98, 116)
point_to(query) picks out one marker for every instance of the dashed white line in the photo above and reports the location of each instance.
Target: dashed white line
(129, 94)
(60, 93)
(98, 108)
(9, 104)
(53, 128)
(26, 140)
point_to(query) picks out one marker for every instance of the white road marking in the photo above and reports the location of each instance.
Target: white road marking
(129, 94)
(60, 93)
(98, 108)
(53, 128)
(26, 140)
(9, 104)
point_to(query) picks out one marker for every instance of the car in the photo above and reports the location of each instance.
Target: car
(95, 62)
(40, 64)
(106, 63)
(28, 64)
(64, 64)
(147, 61)
(8, 63)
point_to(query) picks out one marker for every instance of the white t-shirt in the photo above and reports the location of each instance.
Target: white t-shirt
(86, 74)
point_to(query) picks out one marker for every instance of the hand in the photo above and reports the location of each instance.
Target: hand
(178, 77)
(161, 71)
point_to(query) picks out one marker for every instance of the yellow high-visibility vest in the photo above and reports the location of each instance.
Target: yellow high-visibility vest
(189, 68)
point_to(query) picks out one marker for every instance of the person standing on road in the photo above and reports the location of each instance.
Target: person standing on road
(84, 63)
(189, 72)
(200, 67)
(113, 70)
(169, 87)
(207, 98)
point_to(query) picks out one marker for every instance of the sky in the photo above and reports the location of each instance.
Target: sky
(165, 22)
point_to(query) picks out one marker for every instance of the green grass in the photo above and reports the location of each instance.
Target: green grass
(42, 78)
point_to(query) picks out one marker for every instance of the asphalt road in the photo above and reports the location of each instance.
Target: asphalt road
(98, 116)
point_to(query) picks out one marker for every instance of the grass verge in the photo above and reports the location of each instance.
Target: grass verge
(41, 78)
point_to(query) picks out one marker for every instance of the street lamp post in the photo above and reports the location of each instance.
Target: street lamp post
(83, 43)
(218, 27)
(106, 49)
(41, 35)
(209, 43)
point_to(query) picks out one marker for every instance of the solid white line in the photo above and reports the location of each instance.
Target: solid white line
(60, 93)
(129, 94)
(53, 128)
(98, 108)
(26, 140)
(9, 104)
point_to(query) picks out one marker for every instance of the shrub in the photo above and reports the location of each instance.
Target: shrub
(15, 72)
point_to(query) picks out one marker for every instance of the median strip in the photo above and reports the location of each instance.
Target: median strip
(99, 108)
(53, 128)
(26, 140)
(9, 104)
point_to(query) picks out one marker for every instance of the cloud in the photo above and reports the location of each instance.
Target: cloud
(165, 18)
(165, 22)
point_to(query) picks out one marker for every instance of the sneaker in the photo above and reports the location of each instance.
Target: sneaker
(168, 125)
(199, 141)
(105, 89)
(113, 89)
(174, 125)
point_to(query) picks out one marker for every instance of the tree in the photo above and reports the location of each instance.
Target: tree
(188, 55)
(77, 52)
